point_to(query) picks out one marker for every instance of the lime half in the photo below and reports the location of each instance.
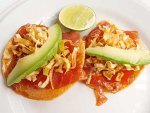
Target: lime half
(77, 17)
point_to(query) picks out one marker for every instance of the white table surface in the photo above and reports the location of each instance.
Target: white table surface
(6, 5)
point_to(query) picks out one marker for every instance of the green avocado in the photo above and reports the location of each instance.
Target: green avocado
(121, 56)
(29, 63)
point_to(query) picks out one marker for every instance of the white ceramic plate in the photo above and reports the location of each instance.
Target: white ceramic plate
(127, 14)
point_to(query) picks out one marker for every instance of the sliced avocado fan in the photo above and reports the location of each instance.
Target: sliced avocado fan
(120, 56)
(29, 63)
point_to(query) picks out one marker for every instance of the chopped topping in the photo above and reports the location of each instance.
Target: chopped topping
(112, 36)
(128, 67)
(94, 41)
(119, 76)
(37, 33)
(118, 68)
(6, 59)
(7, 54)
(35, 38)
(99, 66)
(74, 55)
(48, 67)
(23, 41)
(61, 63)
(122, 45)
(62, 46)
(45, 83)
(50, 78)
(109, 74)
(137, 68)
(32, 76)
(110, 65)
(107, 68)
(67, 64)
(89, 79)
(65, 53)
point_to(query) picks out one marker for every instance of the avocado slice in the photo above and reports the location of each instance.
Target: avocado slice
(121, 56)
(29, 63)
